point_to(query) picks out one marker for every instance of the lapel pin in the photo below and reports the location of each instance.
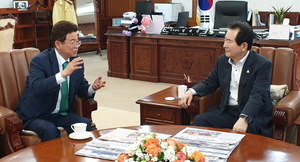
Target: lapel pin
(248, 71)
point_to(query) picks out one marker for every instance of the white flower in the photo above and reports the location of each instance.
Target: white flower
(170, 154)
(129, 160)
(132, 148)
(139, 153)
(154, 159)
(189, 151)
(164, 145)
(147, 157)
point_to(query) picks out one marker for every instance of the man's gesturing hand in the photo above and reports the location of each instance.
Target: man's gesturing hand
(98, 83)
(72, 66)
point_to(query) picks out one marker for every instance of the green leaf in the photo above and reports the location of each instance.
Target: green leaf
(280, 13)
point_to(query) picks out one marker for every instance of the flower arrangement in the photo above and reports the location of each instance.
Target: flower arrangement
(153, 149)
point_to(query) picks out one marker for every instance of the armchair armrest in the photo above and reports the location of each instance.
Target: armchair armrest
(10, 126)
(84, 107)
(285, 112)
(291, 104)
(200, 105)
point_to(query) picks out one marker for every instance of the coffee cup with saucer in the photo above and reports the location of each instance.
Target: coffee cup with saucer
(79, 131)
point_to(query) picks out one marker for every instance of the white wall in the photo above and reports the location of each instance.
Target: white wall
(266, 5)
(6, 4)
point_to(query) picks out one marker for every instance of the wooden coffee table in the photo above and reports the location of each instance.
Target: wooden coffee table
(252, 148)
(154, 109)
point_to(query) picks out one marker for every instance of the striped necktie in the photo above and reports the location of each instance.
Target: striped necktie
(64, 105)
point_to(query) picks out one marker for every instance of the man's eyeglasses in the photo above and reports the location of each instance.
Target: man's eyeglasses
(75, 43)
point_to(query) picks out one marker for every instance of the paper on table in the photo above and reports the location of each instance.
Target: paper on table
(129, 135)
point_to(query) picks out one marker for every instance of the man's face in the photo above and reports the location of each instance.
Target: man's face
(68, 48)
(232, 50)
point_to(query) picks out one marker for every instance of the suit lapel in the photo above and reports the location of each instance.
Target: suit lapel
(246, 73)
(227, 74)
(225, 79)
(53, 60)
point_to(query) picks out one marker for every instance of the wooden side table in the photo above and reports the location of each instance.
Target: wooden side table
(154, 109)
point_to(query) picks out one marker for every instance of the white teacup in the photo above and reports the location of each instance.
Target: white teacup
(181, 90)
(79, 128)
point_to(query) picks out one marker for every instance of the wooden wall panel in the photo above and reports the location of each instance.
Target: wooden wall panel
(116, 8)
(87, 28)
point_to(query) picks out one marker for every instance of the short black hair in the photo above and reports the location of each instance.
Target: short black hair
(61, 29)
(244, 35)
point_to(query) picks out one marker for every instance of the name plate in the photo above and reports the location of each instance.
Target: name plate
(184, 31)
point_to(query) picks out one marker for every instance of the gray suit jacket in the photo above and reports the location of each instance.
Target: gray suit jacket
(254, 97)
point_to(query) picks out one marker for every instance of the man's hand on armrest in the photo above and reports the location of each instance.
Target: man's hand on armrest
(185, 101)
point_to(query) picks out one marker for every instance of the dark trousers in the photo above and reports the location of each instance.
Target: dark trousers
(47, 128)
(213, 117)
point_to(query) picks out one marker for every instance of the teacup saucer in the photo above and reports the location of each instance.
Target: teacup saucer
(82, 136)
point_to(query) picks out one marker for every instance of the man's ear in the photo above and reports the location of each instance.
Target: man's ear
(244, 46)
(57, 44)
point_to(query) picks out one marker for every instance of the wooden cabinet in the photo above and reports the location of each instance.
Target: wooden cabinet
(151, 114)
(164, 58)
(118, 55)
(43, 32)
(24, 29)
(154, 109)
(102, 29)
(144, 58)
(28, 33)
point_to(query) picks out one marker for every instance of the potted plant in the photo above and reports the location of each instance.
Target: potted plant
(280, 13)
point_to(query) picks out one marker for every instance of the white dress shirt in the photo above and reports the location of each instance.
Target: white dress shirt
(236, 71)
(235, 80)
(60, 79)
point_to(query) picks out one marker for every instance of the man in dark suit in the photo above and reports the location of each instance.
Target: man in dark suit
(244, 78)
(44, 105)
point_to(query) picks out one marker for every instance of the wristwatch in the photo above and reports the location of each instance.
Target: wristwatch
(246, 118)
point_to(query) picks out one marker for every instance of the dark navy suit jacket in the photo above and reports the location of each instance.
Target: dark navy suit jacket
(41, 92)
(254, 88)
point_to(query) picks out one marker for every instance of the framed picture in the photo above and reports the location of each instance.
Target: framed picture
(21, 5)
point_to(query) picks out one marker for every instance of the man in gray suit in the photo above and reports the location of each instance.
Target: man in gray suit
(244, 78)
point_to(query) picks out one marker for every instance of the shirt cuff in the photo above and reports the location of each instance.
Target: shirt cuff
(59, 78)
(90, 90)
(193, 91)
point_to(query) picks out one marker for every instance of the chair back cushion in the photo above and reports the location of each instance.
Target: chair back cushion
(14, 67)
(283, 65)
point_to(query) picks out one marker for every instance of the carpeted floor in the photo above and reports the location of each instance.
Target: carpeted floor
(116, 101)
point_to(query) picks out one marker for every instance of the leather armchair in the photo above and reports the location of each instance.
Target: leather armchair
(287, 110)
(14, 66)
